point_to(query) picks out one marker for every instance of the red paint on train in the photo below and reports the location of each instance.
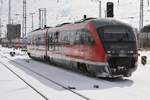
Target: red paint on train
(88, 45)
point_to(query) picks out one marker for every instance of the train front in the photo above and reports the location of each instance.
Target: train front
(120, 45)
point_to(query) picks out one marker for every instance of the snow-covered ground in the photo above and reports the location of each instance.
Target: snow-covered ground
(12, 88)
(135, 87)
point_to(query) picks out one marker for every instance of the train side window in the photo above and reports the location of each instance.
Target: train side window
(72, 37)
(77, 37)
(83, 36)
(56, 37)
(50, 41)
(60, 39)
(53, 40)
(88, 37)
(40, 40)
(66, 37)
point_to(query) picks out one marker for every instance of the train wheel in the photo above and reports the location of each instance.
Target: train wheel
(82, 67)
(31, 56)
(50, 60)
(46, 58)
(92, 74)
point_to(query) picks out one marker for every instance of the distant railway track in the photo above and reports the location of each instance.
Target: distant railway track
(45, 77)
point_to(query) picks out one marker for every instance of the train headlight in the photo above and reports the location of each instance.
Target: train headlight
(108, 51)
(131, 51)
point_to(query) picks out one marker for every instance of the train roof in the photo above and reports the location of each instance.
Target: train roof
(77, 22)
(84, 20)
(98, 22)
(108, 22)
(63, 24)
(101, 22)
(41, 29)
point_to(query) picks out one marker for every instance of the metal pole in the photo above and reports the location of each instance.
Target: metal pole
(17, 22)
(42, 17)
(45, 17)
(9, 13)
(100, 8)
(23, 21)
(0, 27)
(24, 24)
(32, 22)
(39, 18)
(141, 14)
(25, 18)
(141, 20)
(118, 2)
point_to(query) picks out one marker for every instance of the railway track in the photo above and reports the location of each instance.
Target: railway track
(70, 89)
(102, 83)
(32, 87)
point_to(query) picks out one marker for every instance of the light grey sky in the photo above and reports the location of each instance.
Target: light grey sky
(70, 10)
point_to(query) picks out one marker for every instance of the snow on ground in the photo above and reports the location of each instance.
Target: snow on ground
(12, 88)
(135, 87)
(49, 89)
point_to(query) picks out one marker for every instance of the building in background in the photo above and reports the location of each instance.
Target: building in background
(145, 37)
(13, 31)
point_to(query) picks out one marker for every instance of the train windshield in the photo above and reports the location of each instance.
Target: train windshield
(117, 38)
(116, 34)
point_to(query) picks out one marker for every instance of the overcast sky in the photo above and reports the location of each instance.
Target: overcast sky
(71, 10)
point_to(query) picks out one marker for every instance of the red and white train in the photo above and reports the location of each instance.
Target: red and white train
(103, 47)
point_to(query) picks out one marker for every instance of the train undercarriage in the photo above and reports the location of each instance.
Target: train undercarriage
(116, 66)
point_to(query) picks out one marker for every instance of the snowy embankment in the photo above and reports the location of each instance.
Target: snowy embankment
(135, 87)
